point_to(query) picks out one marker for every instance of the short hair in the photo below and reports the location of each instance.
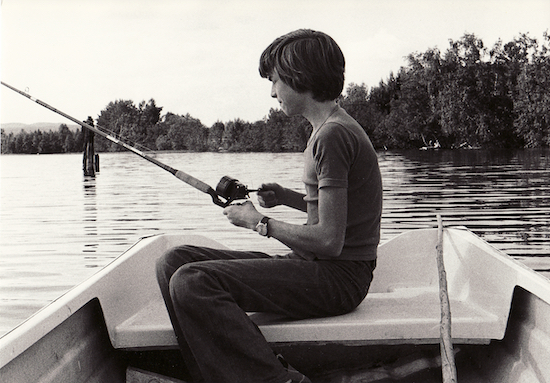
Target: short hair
(306, 60)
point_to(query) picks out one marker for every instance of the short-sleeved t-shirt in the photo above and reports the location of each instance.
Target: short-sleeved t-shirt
(340, 154)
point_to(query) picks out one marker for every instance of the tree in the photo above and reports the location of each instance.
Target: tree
(272, 137)
(474, 101)
(119, 117)
(532, 104)
(66, 139)
(215, 135)
(357, 101)
(7, 144)
(233, 134)
(184, 132)
(147, 125)
(137, 125)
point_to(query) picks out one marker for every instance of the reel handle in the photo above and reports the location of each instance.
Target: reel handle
(231, 190)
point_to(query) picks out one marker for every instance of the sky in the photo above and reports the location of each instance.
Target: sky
(200, 57)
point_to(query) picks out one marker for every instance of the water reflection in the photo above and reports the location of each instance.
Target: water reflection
(501, 195)
(90, 214)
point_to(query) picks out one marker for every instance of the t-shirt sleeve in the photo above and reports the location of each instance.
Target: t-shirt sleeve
(333, 154)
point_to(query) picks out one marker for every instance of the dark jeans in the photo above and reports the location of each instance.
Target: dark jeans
(208, 292)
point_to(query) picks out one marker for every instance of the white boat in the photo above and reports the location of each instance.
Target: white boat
(114, 328)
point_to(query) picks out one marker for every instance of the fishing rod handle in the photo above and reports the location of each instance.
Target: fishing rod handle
(197, 184)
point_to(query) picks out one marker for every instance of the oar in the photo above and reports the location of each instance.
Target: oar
(194, 182)
(448, 366)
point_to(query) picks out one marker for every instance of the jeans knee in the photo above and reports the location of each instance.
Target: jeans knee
(170, 261)
(162, 268)
(189, 285)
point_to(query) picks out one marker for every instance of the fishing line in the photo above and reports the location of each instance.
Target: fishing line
(228, 188)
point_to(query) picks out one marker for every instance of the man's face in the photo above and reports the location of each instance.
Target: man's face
(291, 101)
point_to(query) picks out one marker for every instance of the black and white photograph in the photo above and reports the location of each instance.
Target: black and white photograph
(275, 191)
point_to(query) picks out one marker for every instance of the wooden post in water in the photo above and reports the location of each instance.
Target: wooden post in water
(90, 160)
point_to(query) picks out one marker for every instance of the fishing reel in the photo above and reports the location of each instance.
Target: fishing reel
(231, 190)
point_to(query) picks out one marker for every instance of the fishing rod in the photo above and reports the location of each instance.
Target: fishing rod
(228, 188)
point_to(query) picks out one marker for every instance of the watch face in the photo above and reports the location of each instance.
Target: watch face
(262, 229)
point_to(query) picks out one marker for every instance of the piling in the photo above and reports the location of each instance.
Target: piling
(90, 160)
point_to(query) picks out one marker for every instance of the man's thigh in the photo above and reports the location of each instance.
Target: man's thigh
(295, 288)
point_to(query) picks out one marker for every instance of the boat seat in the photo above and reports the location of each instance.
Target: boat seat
(402, 305)
(382, 318)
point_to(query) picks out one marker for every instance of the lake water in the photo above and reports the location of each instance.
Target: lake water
(58, 227)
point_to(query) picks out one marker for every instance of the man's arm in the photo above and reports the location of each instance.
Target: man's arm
(324, 238)
(271, 195)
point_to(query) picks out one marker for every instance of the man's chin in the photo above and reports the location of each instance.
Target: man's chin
(288, 113)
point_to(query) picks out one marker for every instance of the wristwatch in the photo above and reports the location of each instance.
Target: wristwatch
(262, 228)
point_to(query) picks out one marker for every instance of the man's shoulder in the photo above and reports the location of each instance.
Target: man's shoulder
(341, 124)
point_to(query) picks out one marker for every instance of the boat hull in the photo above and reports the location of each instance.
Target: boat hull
(78, 350)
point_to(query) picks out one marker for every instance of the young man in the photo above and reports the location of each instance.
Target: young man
(329, 269)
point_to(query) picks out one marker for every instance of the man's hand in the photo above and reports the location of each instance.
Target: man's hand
(243, 215)
(271, 195)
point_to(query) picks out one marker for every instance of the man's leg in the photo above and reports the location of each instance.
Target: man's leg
(209, 300)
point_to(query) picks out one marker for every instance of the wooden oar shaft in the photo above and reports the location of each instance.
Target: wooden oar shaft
(187, 178)
(448, 366)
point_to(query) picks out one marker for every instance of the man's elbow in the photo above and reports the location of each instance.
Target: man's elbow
(331, 247)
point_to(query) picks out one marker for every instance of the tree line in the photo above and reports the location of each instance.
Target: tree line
(468, 96)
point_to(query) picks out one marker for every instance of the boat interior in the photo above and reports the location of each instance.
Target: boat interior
(115, 328)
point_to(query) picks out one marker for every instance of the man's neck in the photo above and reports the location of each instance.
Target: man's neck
(318, 113)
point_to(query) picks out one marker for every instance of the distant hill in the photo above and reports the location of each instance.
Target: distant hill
(16, 127)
